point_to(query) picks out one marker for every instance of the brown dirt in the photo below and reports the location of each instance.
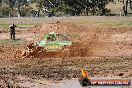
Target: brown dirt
(86, 42)
(111, 46)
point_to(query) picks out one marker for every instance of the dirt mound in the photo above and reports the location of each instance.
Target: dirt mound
(76, 50)
(75, 33)
(68, 29)
(3, 31)
(86, 42)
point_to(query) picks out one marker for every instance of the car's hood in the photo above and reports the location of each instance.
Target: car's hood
(40, 43)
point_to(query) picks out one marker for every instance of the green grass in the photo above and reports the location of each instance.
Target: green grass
(12, 42)
(122, 24)
(5, 26)
(24, 23)
(114, 23)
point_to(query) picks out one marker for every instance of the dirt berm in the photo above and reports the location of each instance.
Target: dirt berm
(86, 42)
(77, 34)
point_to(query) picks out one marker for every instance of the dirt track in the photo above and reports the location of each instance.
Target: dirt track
(104, 52)
(88, 42)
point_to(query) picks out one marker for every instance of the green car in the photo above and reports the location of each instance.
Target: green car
(53, 41)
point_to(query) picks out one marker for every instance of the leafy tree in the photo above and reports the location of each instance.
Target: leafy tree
(62, 7)
(46, 6)
(5, 10)
(131, 4)
(20, 3)
(16, 4)
(25, 10)
(101, 4)
(75, 7)
(92, 6)
(125, 6)
(0, 1)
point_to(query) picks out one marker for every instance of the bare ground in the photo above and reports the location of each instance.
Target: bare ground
(102, 51)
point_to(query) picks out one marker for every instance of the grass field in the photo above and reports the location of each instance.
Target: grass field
(11, 42)
(115, 21)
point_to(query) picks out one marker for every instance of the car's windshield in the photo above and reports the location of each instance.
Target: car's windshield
(51, 37)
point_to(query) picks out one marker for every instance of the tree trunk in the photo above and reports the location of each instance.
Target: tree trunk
(125, 5)
(18, 8)
(87, 10)
(103, 11)
(130, 2)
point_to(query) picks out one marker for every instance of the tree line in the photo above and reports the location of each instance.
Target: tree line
(49, 8)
